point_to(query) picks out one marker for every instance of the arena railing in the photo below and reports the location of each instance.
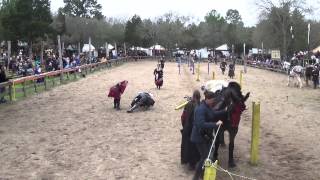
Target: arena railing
(264, 67)
(20, 88)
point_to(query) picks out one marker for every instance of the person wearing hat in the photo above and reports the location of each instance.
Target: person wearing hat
(202, 116)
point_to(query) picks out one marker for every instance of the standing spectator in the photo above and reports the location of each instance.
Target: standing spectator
(189, 152)
(117, 97)
(3, 78)
(202, 116)
(223, 66)
(315, 76)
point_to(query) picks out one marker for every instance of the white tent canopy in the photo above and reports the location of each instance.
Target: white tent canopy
(147, 51)
(223, 47)
(316, 50)
(110, 46)
(86, 48)
(157, 47)
(203, 52)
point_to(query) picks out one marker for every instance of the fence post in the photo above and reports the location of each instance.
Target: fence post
(53, 82)
(255, 133)
(35, 85)
(61, 77)
(68, 76)
(23, 88)
(45, 83)
(210, 171)
(75, 74)
(10, 92)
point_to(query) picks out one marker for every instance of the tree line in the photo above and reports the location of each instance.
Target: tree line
(31, 21)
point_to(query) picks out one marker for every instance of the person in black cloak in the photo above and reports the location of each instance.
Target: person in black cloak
(189, 152)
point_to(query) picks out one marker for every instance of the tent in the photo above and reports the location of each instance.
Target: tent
(86, 48)
(157, 47)
(110, 46)
(316, 50)
(204, 52)
(223, 47)
(70, 48)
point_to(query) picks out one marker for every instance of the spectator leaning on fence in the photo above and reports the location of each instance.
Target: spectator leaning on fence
(3, 78)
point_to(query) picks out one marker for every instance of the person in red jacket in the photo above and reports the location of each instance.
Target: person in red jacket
(116, 91)
(117, 97)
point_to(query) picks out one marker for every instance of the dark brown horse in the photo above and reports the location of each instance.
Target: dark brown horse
(229, 97)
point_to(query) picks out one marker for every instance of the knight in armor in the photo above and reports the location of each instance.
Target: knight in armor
(143, 99)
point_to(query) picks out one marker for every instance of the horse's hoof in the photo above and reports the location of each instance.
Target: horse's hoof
(232, 164)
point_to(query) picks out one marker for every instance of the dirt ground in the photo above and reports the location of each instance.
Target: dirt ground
(73, 132)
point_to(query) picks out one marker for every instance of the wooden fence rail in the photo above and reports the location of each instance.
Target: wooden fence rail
(22, 87)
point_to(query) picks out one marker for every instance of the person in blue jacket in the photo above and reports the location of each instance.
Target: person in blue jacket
(202, 117)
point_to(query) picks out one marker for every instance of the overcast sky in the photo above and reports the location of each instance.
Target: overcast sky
(195, 8)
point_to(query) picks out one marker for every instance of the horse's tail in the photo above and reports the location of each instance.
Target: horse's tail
(246, 97)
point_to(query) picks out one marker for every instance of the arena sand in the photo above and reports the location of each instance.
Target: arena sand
(73, 132)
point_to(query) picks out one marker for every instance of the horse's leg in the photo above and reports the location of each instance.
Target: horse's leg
(232, 133)
(299, 81)
(288, 81)
(217, 144)
(221, 138)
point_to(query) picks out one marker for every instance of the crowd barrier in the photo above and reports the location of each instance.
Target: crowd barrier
(20, 88)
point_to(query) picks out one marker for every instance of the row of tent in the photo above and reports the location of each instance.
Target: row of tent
(203, 52)
(87, 48)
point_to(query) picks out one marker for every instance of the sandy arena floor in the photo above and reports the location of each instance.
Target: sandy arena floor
(73, 132)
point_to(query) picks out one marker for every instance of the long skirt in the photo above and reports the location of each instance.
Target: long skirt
(189, 152)
(159, 82)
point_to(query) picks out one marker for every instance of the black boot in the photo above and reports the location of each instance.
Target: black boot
(118, 105)
(232, 164)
